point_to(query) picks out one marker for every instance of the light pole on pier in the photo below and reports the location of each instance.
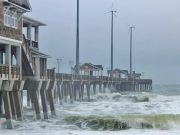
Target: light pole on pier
(131, 38)
(59, 62)
(112, 40)
(77, 40)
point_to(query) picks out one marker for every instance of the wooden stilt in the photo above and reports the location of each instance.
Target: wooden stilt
(7, 108)
(71, 93)
(28, 99)
(44, 99)
(94, 89)
(75, 91)
(82, 92)
(32, 87)
(100, 88)
(18, 105)
(88, 91)
(59, 89)
(65, 92)
(12, 103)
(1, 109)
(51, 99)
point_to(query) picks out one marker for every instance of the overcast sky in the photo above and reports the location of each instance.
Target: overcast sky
(156, 43)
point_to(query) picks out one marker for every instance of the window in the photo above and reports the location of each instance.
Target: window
(10, 19)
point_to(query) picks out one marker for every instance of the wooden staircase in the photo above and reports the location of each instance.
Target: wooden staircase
(27, 66)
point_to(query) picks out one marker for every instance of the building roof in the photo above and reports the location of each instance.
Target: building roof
(27, 20)
(118, 71)
(89, 66)
(39, 54)
(22, 3)
(100, 67)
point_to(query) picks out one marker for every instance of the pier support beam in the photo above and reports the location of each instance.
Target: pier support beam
(104, 88)
(12, 103)
(94, 89)
(75, 91)
(7, 108)
(79, 91)
(1, 109)
(59, 89)
(82, 91)
(18, 105)
(28, 99)
(71, 92)
(43, 92)
(32, 87)
(100, 88)
(51, 88)
(6, 87)
(88, 87)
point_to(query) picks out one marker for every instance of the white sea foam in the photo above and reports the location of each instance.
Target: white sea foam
(115, 104)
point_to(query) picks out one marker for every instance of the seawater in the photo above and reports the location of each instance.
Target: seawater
(146, 113)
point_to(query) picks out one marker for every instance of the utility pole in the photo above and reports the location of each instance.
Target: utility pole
(112, 40)
(77, 40)
(59, 62)
(131, 39)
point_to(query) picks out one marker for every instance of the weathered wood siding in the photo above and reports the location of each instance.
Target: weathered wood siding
(8, 31)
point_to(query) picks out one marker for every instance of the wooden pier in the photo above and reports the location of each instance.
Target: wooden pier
(59, 87)
(24, 68)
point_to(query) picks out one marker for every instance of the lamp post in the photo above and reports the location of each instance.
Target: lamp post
(131, 38)
(77, 40)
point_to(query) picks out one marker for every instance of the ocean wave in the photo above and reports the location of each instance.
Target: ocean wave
(165, 122)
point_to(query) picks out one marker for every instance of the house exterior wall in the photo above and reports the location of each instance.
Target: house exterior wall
(9, 32)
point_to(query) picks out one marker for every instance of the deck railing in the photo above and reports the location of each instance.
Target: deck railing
(35, 44)
(74, 77)
(5, 74)
(32, 43)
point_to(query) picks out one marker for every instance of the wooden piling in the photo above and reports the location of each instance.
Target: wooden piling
(18, 105)
(52, 86)
(6, 87)
(1, 109)
(44, 99)
(104, 88)
(88, 86)
(28, 99)
(32, 87)
(100, 88)
(7, 108)
(82, 91)
(59, 90)
(71, 92)
(75, 91)
(94, 89)
(65, 92)
(12, 103)
(79, 92)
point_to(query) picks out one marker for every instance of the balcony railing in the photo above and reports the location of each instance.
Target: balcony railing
(6, 75)
(32, 43)
(35, 44)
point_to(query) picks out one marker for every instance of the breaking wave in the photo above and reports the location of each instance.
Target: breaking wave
(125, 122)
(117, 97)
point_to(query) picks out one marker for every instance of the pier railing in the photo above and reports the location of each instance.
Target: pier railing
(51, 75)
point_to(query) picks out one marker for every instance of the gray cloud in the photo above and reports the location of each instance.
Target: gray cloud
(156, 38)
